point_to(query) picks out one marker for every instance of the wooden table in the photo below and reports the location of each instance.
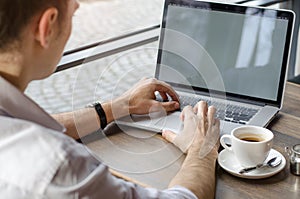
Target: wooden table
(146, 158)
(286, 128)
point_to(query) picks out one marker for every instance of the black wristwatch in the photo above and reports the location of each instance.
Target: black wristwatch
(100, 112)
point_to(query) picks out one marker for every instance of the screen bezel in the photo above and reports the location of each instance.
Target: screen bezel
(224, 7)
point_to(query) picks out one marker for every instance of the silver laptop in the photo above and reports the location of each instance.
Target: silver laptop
(234, 57)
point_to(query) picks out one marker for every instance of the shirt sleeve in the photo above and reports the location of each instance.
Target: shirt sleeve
(83, 176)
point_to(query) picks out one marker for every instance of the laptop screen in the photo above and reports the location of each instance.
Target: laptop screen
(240, 50)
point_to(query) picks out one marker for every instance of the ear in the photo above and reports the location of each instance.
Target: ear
(46, 27)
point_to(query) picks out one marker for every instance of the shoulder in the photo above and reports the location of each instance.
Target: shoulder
(32, 154)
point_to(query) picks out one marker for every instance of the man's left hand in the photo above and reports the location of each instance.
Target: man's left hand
(141, 97)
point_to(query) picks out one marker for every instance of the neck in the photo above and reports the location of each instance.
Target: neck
(11, 69)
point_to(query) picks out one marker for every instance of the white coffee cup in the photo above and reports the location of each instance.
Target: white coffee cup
(249, 144)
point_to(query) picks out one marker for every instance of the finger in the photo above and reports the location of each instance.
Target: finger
(166, 88)
(187, 110)
(189, 119)
(211, 114)
(196, 107)
(182, 116)
(169, 135)
(202, 114)
(201, 109)
(170, 106)
(163, 96)
(217, 123)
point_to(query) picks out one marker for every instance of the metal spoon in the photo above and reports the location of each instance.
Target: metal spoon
(273, 162)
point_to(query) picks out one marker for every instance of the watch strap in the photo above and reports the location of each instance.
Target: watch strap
(101, 114)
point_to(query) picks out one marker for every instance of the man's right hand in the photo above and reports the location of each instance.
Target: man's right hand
(200, 140)
(200, 132)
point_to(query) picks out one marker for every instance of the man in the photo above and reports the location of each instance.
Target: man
(38, 160)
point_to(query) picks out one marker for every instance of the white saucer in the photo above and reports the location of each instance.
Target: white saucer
(229, 163)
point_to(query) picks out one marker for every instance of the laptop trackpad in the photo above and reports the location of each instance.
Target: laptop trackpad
(154, 122)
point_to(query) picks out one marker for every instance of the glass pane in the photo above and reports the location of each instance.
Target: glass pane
(97, 20)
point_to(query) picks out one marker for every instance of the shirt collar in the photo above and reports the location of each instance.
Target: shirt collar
(16, 104)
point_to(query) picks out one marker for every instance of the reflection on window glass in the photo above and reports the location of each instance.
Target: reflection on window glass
(97, 20)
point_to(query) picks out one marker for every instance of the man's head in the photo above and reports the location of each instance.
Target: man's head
(33, 34)
(16, 14)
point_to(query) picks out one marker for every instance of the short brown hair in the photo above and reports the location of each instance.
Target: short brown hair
(16, 14)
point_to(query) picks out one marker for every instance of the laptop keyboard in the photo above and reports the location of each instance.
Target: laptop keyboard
(226, 112)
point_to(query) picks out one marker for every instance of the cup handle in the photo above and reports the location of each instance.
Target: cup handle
(222, 141)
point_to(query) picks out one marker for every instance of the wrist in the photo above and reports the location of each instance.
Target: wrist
(196, 163)
(101, 115)
(194, 155)
(115, 109)
(121, 107)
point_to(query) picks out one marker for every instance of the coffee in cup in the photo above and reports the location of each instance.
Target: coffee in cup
(249, 137)
(249, 144)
